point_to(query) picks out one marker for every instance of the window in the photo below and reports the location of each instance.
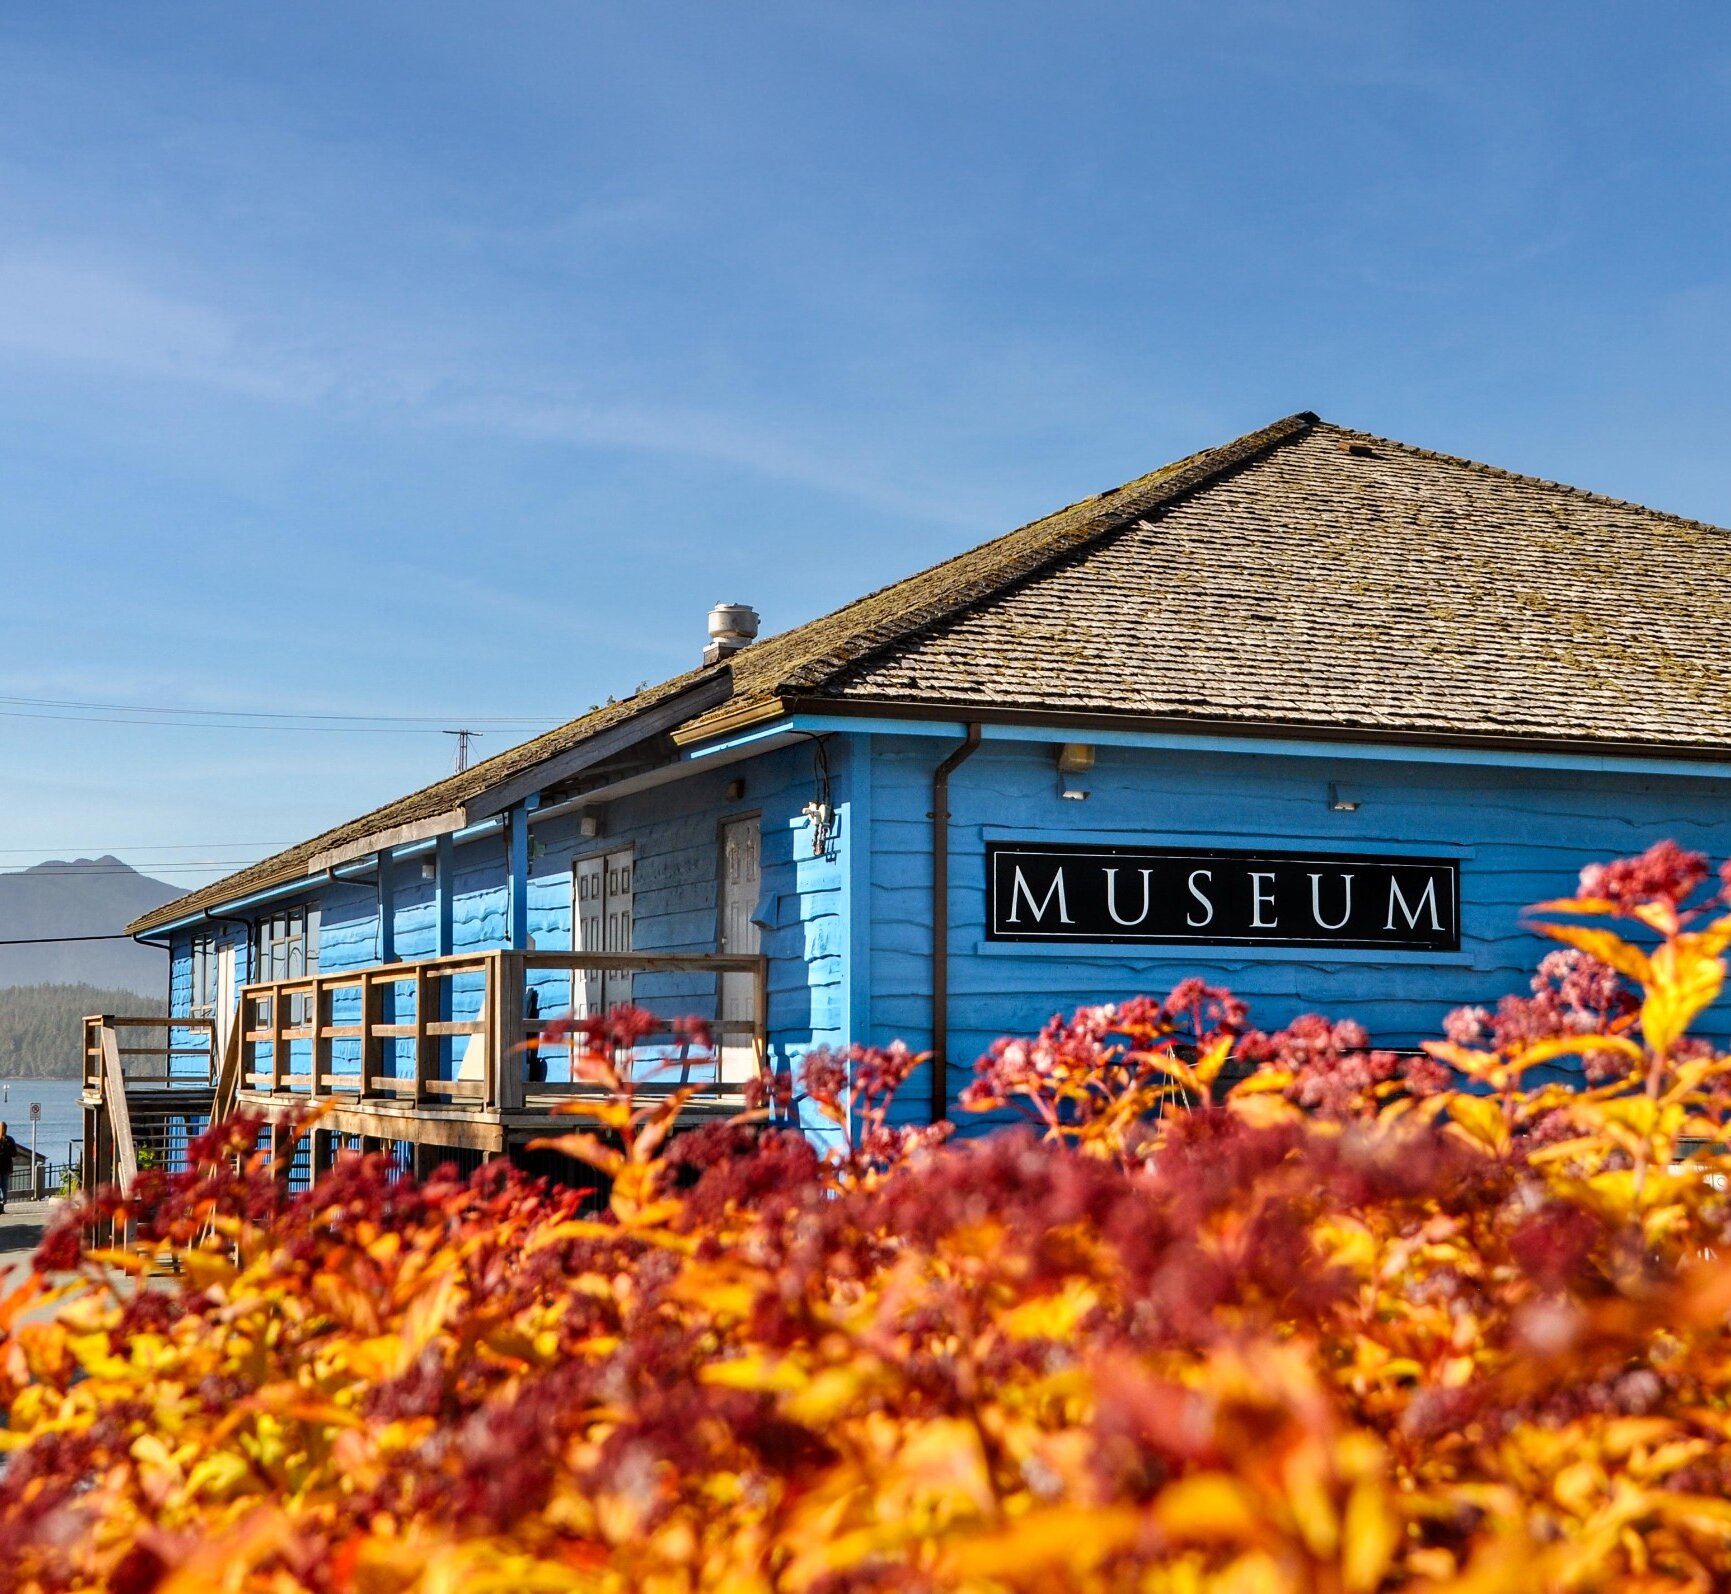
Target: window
(286, 945)
(201, 999)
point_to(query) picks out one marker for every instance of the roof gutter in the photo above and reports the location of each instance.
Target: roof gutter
(1270, 731)
(316, 875)
(941, 919)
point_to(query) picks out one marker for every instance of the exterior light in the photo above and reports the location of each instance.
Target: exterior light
(429, 869)
(1340, 802)
(589, 824)
(1075, 765)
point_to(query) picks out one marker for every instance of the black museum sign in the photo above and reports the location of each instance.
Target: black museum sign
(1060, 892)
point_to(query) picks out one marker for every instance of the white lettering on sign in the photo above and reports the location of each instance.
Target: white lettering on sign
(1019, 889)
(1260, 899)
(1112, 897)
(1190, 918)
(1316, 903)
(1056, 891)
(1411, 914)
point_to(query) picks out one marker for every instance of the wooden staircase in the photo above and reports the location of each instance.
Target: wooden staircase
(150, 1086)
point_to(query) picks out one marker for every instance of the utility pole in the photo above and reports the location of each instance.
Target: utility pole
(463, 740)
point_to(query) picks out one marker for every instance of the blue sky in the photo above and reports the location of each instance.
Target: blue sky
(451, 360)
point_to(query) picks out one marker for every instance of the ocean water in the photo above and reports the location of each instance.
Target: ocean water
(62, 1121)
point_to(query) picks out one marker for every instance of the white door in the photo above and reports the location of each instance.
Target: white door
(223, 995)
(601, 922)
(740, 877)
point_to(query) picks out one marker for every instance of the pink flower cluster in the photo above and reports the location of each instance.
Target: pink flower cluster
(1333, 1066)
(1571, 994)
(1665, 874)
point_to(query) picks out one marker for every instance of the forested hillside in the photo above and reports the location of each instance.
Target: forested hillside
(40, 1032)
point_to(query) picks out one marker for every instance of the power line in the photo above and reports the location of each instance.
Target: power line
(213, 725)
(277, 714)
(205, 866)
(114, 849)
(47, 940)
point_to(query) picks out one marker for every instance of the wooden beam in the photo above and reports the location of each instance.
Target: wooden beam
(425, 985)
(505, 1049)
(381, 1123)
(396, 836)
(664, 716)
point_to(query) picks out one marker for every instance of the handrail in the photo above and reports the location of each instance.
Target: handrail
(228, 1070)
(488, 1076)
(119, 1115)
(99, 1027)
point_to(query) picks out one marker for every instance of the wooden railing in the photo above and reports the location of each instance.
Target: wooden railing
(462, 1032)
(178, 1065)
(182, 1055)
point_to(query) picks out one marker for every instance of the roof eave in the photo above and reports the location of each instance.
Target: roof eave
(1267, 729)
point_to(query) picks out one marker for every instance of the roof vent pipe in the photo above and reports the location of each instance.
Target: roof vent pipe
(731, 626)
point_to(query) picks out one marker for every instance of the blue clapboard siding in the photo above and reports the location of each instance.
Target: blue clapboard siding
(1522, 836)
(674, 832)
(848, 932)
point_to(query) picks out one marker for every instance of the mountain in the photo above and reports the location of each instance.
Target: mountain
(81, 896)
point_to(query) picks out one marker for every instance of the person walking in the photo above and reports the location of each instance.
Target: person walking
(9, 1149)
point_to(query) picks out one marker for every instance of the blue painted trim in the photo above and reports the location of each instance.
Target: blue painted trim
(1341, 840)
(387, 906)
(444, 852)
(856, 889)
(1270, 746)
(252, 899)
(517, 874)
(1131, 957)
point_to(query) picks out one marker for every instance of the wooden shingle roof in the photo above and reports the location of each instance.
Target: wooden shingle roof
(1304, 576)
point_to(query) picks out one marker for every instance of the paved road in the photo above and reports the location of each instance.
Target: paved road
(22, 1226)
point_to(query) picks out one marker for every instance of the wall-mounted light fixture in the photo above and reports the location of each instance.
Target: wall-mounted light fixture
(429, 868)
(1075, 766)
(589, 824)
(1341, 802)
(735, 790)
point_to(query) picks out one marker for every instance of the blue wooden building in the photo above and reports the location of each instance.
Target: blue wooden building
(1313, 714)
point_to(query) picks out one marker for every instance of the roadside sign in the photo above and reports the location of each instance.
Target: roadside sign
(35, 1109)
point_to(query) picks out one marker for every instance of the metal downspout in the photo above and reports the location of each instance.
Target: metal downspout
(941, 919)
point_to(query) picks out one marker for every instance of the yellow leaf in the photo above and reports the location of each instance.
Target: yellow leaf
(829, 1393)
(1051, 1316)
(1573, 1045)
(1684, 980)
(1209, 1507)
(221, 1475)
(768, 1373)
(1482, 1121)
(584, 1148)
(1372, 1533)
(1605, 945)
(1209, 1064)
(1062, 1538)
(208, 1269)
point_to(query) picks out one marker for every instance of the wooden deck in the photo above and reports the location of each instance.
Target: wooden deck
(455, 1053)
(463, 1051)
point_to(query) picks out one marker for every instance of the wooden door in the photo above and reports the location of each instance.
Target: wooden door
(741, 877)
